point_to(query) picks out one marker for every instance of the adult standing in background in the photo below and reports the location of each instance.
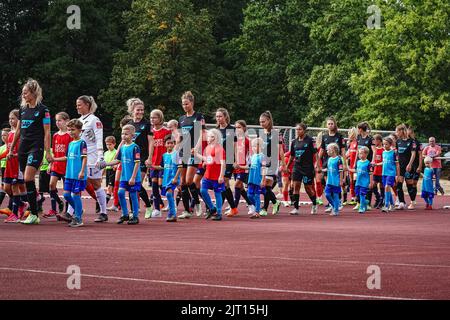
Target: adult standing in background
(433, 151)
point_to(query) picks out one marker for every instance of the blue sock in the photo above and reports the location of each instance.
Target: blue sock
(123, 202)
(172, 210)
(362, 203)
(387, 198)
(337, 202)
(257, 201)
(219, 203)
(69, 199)
(207, 198)
(135, 202)
(329, 197)
(78, 208)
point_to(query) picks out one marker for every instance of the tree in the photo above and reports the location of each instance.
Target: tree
(169, 49)
(406, 75)
(69, 63)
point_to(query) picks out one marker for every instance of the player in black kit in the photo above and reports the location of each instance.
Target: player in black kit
(33, 130)
(406, 149)
(192, 126)
(302, 152)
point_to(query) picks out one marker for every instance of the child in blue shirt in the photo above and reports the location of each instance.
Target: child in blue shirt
(256, 176)
(334, 178)
(364, 180)
(427, 184)
(391, 170)
(172, 165)
(129, 155)
(76, 171)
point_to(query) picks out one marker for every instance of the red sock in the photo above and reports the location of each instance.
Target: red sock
(116, 193)
(352, 189)
(90, 190)
(286, 195)
(319, 189)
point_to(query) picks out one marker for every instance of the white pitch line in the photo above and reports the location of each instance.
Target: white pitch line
(397, 264)
(206, 285)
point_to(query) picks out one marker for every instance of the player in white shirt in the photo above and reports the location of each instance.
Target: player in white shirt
(92, 133)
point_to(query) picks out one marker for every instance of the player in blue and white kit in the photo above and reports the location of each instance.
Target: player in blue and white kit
(364, 181)
(391, 170)
(172, 165)
(76, 171)
(427, 183)
(334, 178)
(129, 155)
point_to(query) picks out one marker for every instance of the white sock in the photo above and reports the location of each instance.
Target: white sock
(70, 210)
(101, 198)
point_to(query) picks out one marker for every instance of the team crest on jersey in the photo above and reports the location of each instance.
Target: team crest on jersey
(138, 156)
(209, 159)
(142, 127)
(36, 114)
(99, 125)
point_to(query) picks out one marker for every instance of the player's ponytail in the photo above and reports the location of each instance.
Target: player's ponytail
(89, 100)
(35, 89)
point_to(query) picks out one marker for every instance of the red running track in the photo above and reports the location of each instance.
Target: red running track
(277, 257)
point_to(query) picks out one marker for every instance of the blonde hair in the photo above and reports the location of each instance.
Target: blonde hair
(428, 159)
(160, 115)
(319, 139)
(352, 133)
(172, 122)
(132, 103)
(225, 113)
(364, 149)
(333, 146)
(35, 89)
(129, 127)
(89, 100)
(216, 134)
(257, 141)
(188, 96)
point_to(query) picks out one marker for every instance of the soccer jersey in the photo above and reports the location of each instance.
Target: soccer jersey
(257, 162)
(418, 152)
(404, 149)
(60, 145)
(92, 134)
(389, 163)
(427, 183)
(334, 167)
(242, 153)
(352, 153)
(366, 142)
(228, 140)
(3, 160)
(32, 132)
(158, 142)
(327, 140)
(363, 169)
(170, 162)
(214, 154)
(378, 170)
(109, 156)
(303, 152)
(128, 156)
(191, 127)
(12, 165)
(143, 130)
(75, 153)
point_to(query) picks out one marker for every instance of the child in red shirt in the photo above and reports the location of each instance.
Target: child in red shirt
(214, 162)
